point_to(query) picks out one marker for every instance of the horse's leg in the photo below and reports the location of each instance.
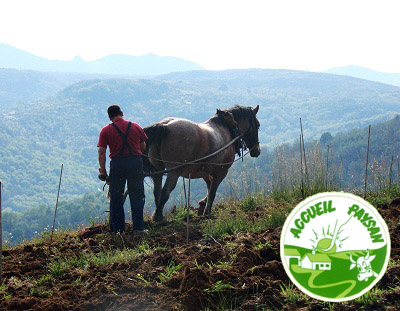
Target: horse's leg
(203, 202)
(157, 180)
(215, 182)
(169, 185)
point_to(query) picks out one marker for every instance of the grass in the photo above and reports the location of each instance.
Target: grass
(169, 271)
(254, 213)
(219, 265)
(232, 219)
(221, 293)
(291, 294)
(219, 286)
(60, 266)
(370, 298)
(249, 204)
(181, 214)
(383, 196)
(141, 278)
(3, 292)
(393, 262)
(260, 245)
(47, 278)
(58, 235)
(35, 292)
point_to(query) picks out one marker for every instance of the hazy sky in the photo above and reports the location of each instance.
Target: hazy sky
(218, 34)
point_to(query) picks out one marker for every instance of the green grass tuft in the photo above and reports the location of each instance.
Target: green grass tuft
(233, 219)
(169, 271)
(219, 286)
(60, 266)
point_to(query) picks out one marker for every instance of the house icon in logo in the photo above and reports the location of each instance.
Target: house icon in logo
(308, 261)
(315, 262)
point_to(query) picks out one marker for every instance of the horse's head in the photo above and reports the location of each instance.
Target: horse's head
(244, 121)
(249, 126)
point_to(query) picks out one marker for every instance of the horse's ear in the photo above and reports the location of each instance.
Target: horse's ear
(255, 110)
(219, 112)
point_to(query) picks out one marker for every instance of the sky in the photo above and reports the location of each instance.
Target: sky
(312, 35)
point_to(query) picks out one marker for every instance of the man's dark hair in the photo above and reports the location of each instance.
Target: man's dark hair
(114, 111)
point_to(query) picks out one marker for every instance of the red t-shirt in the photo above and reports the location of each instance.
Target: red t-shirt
(110, 137)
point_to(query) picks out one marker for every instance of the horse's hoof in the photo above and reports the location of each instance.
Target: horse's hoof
(200, 211)
(158, 217)
(202, 205)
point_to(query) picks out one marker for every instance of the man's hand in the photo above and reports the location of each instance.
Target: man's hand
(103, 174)
(102, 171)
(102, 162)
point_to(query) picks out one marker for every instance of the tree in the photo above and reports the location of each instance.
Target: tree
(326, 138)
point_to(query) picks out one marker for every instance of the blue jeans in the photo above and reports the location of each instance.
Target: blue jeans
(122, 170)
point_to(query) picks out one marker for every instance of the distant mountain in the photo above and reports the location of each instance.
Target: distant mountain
(150, 64)
(36, 138)
(367, 74)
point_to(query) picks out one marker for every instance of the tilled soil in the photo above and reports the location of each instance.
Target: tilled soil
(239, 272)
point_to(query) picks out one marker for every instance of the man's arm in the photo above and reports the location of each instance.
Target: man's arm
(142, 146)
(102, 160)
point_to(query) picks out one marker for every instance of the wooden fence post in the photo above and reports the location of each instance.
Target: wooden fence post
(327, 168)
(301, 170)
(366, 164)
(188, 212)
(1, 240)
(55, 211)
(390, 173)
(304, 152)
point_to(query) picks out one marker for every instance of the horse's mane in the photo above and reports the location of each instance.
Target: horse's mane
(239, 113)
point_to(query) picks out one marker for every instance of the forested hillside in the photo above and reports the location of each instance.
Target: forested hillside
(21, 86)
(276, 170)
(37, 138)
(342, 168)
(24, 86)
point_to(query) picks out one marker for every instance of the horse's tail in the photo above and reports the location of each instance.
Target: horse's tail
(155, 133)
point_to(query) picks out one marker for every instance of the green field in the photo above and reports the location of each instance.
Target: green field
(340, 281)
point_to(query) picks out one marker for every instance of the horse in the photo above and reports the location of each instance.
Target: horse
(175, 141)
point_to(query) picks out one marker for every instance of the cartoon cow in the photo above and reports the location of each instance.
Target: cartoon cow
(364, 267)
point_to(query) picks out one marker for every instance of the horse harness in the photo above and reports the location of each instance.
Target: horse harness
(105, 177)
(237, 140)
(235, 132)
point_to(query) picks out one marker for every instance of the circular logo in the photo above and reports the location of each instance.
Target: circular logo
(335, 246)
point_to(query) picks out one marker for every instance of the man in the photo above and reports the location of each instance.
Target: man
(126, 141)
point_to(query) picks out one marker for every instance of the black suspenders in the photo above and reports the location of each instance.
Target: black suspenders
(124, 138)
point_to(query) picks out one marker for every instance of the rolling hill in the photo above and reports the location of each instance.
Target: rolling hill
(37, 138)
(27, 86)
(276, 171)
(367, 74)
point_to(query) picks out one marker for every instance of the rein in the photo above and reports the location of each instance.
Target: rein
(194, 162)
(198, 161)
